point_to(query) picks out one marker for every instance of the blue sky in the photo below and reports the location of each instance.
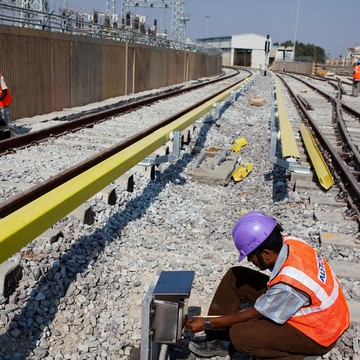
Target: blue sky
(331, 24)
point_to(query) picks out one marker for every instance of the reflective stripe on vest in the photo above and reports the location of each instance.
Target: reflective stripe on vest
(357, 72)
(306, 270)
(326, 300)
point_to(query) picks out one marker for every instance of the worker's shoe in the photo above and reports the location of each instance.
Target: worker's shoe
(199, 339)
(209, 348)
(14, 130)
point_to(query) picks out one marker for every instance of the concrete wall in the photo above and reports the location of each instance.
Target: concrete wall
(297, 67)
(48, 71)
(258, 59)
(226, 57)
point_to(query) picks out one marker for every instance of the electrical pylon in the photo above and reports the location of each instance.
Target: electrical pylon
(111, 11)
(178, 21)
(178, 15)
(31, 7)
(36, 5)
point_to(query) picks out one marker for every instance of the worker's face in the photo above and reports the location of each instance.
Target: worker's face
(253, 259)
(267, 256)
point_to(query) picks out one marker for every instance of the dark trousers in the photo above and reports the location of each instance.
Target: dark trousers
(6, 121)
(262, 338)
(355, 88)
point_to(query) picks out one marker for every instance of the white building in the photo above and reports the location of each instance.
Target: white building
(241, 50)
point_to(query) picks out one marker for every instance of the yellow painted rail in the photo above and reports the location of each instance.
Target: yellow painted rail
(288, 142)
(321, 169)
(25, 224)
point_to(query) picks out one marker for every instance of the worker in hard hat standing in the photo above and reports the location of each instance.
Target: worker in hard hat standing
(356, 79)
(297, 311)
(5, 119)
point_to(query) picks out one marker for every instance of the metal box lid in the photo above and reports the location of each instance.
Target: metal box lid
(174, 283)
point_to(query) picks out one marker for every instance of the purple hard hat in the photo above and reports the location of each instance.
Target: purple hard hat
(251, 230)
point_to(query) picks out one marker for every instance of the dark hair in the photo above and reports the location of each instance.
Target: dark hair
(274, 241)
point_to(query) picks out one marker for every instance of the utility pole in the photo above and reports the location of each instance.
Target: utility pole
(207, 17)
(296, 26)
(267, 50)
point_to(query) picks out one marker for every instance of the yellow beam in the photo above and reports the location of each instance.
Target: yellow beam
(25, 224)
(322, 171)
(288, 142)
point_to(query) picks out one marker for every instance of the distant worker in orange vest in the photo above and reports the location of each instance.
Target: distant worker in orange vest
(6, 125)
(298, 310)
(356, 79)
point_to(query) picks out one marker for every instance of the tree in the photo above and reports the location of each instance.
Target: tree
(307, 51)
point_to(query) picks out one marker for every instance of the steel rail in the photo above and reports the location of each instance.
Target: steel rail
(345, 133)
(339, 106)
(29, 221)
(89, 120)
(345, 174)
(9, 206)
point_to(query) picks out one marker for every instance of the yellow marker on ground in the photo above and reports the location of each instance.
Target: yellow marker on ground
(242, 172)
(238, 144)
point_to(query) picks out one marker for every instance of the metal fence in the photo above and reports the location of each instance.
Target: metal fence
(83, 24)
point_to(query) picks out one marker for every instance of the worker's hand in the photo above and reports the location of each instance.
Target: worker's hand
(195, 324)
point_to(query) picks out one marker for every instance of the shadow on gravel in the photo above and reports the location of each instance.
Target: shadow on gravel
(25, 336)
(279, 179)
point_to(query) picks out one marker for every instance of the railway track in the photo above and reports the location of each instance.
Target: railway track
(37, 162)
(81, 294)
(336, 214)
(335, 127)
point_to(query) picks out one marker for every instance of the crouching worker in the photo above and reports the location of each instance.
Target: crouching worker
(298, 311)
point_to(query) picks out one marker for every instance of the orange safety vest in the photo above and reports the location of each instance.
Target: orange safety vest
(7, 99)
(357, 73)
(327, 316)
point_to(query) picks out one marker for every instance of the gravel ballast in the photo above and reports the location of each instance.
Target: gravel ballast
(81, 296)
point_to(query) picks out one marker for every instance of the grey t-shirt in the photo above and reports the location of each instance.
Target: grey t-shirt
(281, 301)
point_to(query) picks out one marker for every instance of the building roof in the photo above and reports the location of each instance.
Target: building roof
(230, 36)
